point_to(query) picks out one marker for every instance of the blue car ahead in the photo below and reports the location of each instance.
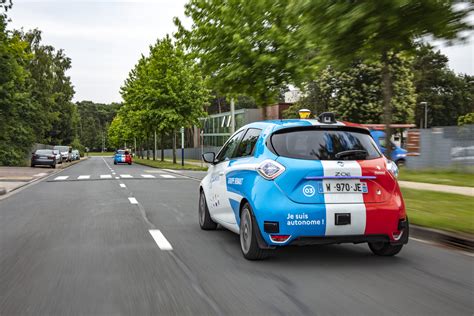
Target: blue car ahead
(398, 155)
(299, 182)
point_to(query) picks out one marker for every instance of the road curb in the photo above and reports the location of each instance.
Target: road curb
(458, 240)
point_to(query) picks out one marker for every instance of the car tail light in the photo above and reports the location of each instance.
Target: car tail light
(280, 238)
(270, 169)
(392, 168)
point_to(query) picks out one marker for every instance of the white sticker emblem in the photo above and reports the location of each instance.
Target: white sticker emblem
(308, 190)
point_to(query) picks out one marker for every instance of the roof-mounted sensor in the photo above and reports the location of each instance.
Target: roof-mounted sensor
(327, 118)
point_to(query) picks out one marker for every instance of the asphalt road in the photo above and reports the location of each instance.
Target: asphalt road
(81, 247)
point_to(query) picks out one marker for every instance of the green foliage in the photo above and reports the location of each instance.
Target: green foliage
(94, 120)
(246, 47)
(355, 95)
(17, 110)
(35, 94)
(163, 92)
(466, 119)
(448, 95)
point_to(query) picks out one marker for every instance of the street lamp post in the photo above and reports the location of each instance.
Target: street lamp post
(425, 104)
(182, 146)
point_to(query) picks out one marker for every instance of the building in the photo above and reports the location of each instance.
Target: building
(216, 128)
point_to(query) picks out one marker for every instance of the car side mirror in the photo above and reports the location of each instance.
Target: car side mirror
(209, 157)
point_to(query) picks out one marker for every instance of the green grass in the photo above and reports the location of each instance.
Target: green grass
(445, 211)
(442, 176)
(167, 165)
(105, 153)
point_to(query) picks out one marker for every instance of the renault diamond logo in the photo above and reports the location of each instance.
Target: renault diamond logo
(340, 163)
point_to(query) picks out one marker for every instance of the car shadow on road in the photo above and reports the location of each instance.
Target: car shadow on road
(337, 255)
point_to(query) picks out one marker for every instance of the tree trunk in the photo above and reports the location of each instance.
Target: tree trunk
(154, 145)
(387, 102)
(162, 146)
(147, 142)
(174, 146)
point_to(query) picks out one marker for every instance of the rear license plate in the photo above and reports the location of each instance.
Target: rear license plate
(336, 186)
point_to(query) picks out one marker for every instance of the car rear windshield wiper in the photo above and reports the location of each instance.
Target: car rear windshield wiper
(356, 152)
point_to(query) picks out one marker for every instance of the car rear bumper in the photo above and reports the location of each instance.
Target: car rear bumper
(43, 162)
(316, 223)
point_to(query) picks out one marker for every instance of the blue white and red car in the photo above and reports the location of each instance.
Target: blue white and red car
(299, 182)
(122, 156)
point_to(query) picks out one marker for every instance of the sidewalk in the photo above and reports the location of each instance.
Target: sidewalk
(437, 187)
(12, 178)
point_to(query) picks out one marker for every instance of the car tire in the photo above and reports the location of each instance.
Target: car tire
(384, 249)
(205, 220)
(115, 162)
(53, 166)
(32, 165)
(129, 163)
(248, 237)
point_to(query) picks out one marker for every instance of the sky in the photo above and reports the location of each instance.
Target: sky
(105, 38)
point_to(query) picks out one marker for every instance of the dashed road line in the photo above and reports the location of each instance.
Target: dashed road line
(133, 200)
(60, 178)
(122, 185)
(106, 176)
(83, 177)
(167, 176)
(149, 176)
(160, 239)
(117, 178)
(126, 176)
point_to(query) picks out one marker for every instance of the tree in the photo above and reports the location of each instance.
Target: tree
(165, 91)
(17, 111)
(448, 95)
(245, 47)
(377, 31)
(356, 94)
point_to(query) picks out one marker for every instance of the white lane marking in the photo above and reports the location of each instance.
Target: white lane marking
(167, 176)
(147, 176)
(126, 176)
(113, 173)
(117, 178)
(160, 239)
(112, 170)
(133, 200)
(83, 177)
(122, 185)
(173, 171)
(106, 176)
(61, 178)
(40, 174)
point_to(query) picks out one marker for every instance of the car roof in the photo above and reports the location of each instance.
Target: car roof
(274, 125)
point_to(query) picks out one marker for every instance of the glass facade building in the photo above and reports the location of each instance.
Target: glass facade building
(216, 128)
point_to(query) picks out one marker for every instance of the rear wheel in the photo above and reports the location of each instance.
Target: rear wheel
(32, 165)
(129, 163)
(205, 220)
(115, 162)
(384, 248)
(248, 237)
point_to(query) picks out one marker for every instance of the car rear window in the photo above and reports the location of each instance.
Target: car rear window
(320, 144)
(44, 152)
(121, 152)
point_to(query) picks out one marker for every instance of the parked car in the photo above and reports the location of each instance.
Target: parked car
(43, 157)
(75, 155)
(122, 156)
(65, 152)
(398, 155)
(299, 182)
